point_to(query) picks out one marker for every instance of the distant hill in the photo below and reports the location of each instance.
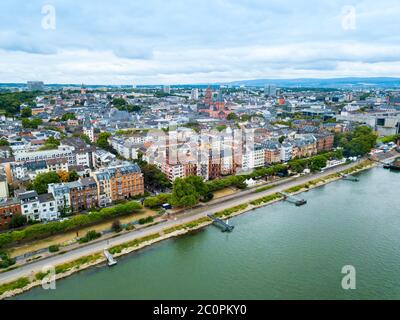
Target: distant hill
(334, 83)
(322, 83)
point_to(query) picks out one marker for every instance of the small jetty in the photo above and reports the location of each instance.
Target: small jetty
(225, 227)
(110, 259)
(293, 199)
(395, 166)
(348, 177)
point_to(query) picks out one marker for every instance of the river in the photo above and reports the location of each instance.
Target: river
(276, 252)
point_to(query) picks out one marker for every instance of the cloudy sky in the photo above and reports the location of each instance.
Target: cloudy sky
(196, 41)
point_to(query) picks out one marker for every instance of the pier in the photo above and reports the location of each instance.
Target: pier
(347, 177)
(221, 224)
(110, 259)
(293, 199)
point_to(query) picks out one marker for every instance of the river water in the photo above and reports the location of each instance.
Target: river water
(276, 252)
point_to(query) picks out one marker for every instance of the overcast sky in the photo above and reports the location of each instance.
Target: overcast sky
(196, 41)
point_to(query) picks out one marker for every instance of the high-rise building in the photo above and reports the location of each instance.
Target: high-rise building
(195, 94)
(167, 89)
(270, 90)
(35, 85)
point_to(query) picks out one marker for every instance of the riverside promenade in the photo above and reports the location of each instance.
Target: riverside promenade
(185, 217)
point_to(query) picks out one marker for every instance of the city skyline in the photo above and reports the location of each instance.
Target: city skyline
(197, 42)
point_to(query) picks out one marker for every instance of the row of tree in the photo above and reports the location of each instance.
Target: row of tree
(358, 142)
(122, 104)
(10, 102)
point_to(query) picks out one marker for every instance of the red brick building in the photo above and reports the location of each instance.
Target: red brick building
(83, 194)
(214, 108)
(325, 142)
(8, 209)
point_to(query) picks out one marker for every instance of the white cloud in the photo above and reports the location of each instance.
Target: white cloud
(142, 42)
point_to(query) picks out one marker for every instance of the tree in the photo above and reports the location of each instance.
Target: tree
(116, 226)
(10, 102)
(119, 102)
(356, 143)
(17, 221)
(73, 176)
(122, 104)
(26, 112)
(31, 124)
(220, 127)
(4, 142)
(157, 201)
(232, 117)
(50, 143)
(188, 191)
(281, 139)
(68, 116)
(154, 179)
(102, 140)
(245, 117)
(63, 175)
(42, 180)
(83, 136)
(318, 162)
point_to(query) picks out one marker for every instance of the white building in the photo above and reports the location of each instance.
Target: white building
(38, 207)
(125, 148)
(195, 94)
(103, 158)
(89, 131)
(48, 208)
(61, 152)
(253, 158)
(286, 151)
(3, 187)
(61, 194)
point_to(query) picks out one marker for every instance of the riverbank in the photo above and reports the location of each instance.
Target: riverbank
(64, 270)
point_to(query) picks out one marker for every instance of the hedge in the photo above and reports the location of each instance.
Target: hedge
(133, 243)
(229, 211)
(62, 268)
(266, 199)
(263, 189)
(189, 225)
(146, 220)
(42, 230)
(17, 284)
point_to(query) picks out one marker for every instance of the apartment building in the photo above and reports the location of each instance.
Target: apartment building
(8, 209)
(304, 146)
(324, 142)
(118, 183)
(29, 170)
(60, 153)
(286, 151)
(253, 158)
(38, 207)
(75, 196)
(125, 148)
(272, 152)
(4, 192)
(61, 194)
(83, 194)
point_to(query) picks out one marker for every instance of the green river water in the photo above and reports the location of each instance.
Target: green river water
(276, 252)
